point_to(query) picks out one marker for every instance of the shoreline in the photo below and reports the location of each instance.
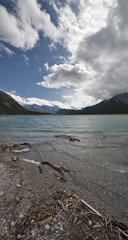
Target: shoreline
(23, 180)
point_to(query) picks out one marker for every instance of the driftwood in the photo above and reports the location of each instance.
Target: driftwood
(57, 168)
(81, 221)
(52, 165)
(61, 177)
(97, 213)
(122, 227)
(123, 233)
(24, 150)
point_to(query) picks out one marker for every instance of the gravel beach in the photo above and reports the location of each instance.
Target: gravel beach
(24, 183)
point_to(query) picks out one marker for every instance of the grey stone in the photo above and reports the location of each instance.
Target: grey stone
(18, 185)
(47, 227)
(21, 215)
(1, 193)
(56, 227)
(33, 233)
(61, 228)
(52, 229)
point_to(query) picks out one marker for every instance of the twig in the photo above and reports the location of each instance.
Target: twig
(73, 211)
(91, 208)
(88, 236)
(61, 177)
(123, 233)
(121, 226)
(20, 237)
(61, 204)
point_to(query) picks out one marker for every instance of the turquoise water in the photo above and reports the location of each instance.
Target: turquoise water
(51, 125)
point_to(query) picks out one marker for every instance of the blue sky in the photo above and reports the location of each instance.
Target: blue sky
(72, 52)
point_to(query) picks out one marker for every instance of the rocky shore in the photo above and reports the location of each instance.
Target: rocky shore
(40, 201)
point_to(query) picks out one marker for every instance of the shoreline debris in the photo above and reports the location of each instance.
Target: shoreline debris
(68, 217)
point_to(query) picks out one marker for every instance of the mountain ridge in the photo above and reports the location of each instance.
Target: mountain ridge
(118, 104)
(9, 106)
(43, 108)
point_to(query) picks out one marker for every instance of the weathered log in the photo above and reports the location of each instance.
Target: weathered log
(24, 150)
(53, 166)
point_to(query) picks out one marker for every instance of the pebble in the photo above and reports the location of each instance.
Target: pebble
(12, 223)
(3, 221)
(15, 158)
(89, 222)
(56, 227)
(21, 215)
(18, 185)
(52, 229)
(57, 235)
(61, 228)
(17, 199)
(1, 193)
(33, 233)
(18, 235)
(47, 227)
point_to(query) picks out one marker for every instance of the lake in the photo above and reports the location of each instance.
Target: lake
(77, 125)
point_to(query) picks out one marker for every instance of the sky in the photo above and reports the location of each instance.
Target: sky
(73, 53)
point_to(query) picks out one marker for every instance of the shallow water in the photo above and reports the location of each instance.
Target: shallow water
(103, 138)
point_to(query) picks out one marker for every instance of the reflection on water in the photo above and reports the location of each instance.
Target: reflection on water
(48, 125)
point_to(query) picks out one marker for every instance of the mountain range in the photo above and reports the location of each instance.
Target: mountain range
(115, 105)
(8, 106)
(42, 109)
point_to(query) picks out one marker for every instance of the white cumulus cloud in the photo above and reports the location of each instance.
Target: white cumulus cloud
(94, 33)
(65, 75)
(96, 37)
(21, 28)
